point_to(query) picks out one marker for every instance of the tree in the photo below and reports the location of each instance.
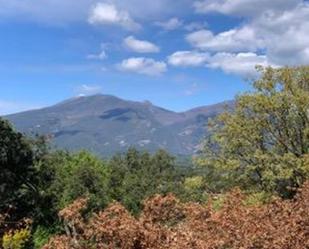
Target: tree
(137, 175)
(264, 142)
(17, 171)
(66, 177)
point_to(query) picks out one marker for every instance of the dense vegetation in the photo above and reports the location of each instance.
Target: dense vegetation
(167, 223)
(264, 143)
(37, 183)
(245, 190)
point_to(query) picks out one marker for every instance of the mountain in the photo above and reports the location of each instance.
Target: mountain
(106, 124)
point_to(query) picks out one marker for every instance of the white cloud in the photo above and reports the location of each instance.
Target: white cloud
(241, 64)
(276, 33)
(171, 24)
(188, 58)
(140, 46)
(9, 107)
(233, 63)
(176, 23)
(286, 36)
(109, 14)
(101, 55)
(244, 7)
(143, 65)
(234, 40)
(85, 90)
(195, 26)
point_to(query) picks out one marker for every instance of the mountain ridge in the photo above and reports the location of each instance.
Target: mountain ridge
(105, 124)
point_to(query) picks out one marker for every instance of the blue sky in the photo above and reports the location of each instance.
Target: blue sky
(177, 54)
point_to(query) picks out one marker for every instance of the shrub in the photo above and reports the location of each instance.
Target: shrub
(16, 239)
(279, 224)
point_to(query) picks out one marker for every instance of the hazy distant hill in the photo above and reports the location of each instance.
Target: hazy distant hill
(106, 124)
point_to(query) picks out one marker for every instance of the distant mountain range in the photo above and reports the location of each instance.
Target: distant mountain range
(106, 124)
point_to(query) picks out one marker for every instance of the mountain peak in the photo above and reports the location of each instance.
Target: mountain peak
(106, 124)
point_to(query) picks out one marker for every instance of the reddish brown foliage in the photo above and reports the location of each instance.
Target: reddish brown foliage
(61, 242)
(163, 210)
(114, 227)
(166, 223)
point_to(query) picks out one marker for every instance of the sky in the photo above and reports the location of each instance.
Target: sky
(177, 54)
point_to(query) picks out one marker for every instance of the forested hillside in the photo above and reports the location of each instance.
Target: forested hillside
(247, 189)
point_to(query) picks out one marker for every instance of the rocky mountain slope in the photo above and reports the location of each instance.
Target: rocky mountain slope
(106, 124)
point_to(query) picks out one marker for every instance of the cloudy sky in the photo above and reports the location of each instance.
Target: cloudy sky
(177, 54)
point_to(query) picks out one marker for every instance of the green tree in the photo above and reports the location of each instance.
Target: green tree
(66, 177)
(194, 189)
(18, 182)
(137, 175)
(264, 142)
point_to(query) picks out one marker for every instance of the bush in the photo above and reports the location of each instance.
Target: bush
(16, 239)
(166, 223)
(41, 236)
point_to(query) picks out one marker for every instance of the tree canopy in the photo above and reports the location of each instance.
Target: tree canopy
(264, 142)
(17, 170)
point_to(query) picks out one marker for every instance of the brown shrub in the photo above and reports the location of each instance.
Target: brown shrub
(113, 228)
(166, 223)
(163, 210)
(59, 242)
